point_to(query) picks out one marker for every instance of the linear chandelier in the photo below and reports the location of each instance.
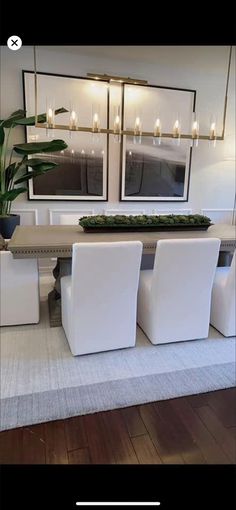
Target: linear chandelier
(117, 129)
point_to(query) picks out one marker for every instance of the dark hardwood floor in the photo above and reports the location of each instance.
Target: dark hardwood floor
(198, 429)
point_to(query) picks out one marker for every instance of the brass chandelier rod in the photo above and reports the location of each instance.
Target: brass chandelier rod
(226, 92)
(128, 132)
(35, 88)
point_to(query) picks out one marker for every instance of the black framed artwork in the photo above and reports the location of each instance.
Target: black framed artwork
(82, 169)
(156, 168)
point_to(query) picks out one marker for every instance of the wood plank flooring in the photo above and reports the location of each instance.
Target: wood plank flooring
(198, 429)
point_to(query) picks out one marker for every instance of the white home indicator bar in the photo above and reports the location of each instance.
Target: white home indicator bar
(117, 503)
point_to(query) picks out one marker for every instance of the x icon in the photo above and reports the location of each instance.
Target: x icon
(14, 42)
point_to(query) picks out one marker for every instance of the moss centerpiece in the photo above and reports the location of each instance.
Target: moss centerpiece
(142, 223)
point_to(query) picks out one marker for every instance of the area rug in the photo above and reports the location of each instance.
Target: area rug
(42, 381)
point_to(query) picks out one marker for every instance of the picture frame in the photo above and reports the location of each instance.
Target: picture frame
(156, 169)
(82, 171)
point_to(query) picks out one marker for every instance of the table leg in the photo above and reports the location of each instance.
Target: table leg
(147, 261)
(62, 268)
(225, 258)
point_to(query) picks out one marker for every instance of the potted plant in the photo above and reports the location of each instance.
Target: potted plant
(14, 174)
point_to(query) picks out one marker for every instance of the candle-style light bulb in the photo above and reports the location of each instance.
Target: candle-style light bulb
(50, 118)
(176, 129)
(117, 124)
(157, 128)
(212, 131)
(195, 129)
(96, 123)
(137, 127)
(73, 120)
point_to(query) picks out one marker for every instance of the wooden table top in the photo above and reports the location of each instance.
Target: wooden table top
(56, 240)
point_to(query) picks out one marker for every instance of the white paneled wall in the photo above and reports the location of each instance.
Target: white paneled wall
(55, 214)
(27, 216)
(172, 211)
(219, 215)
(125, 212)
(30, 216)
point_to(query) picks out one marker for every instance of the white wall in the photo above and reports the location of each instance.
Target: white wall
(212, 180)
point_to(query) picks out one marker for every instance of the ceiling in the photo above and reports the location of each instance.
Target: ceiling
(139, 53)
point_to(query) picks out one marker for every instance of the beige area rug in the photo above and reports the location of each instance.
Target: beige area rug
(42, 381)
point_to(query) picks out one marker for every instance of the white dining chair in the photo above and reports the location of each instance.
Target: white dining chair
(174, 298)
(99, 299)
(223, 305)
(19, 290)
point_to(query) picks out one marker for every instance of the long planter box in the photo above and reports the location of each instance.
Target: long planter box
(141, 228)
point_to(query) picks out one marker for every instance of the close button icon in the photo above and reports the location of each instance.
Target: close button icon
(14, 42)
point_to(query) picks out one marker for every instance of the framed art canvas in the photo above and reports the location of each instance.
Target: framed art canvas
(82, 171)
(156, 168)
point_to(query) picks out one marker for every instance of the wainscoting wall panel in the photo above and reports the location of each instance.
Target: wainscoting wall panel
(27, 216)
(219, 215)
(172, 211)
(113, 212)
(54, 214)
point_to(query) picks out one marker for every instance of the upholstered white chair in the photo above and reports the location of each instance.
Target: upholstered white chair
(174, 298)
(99, 299)
(223, 305)
(19, 290)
